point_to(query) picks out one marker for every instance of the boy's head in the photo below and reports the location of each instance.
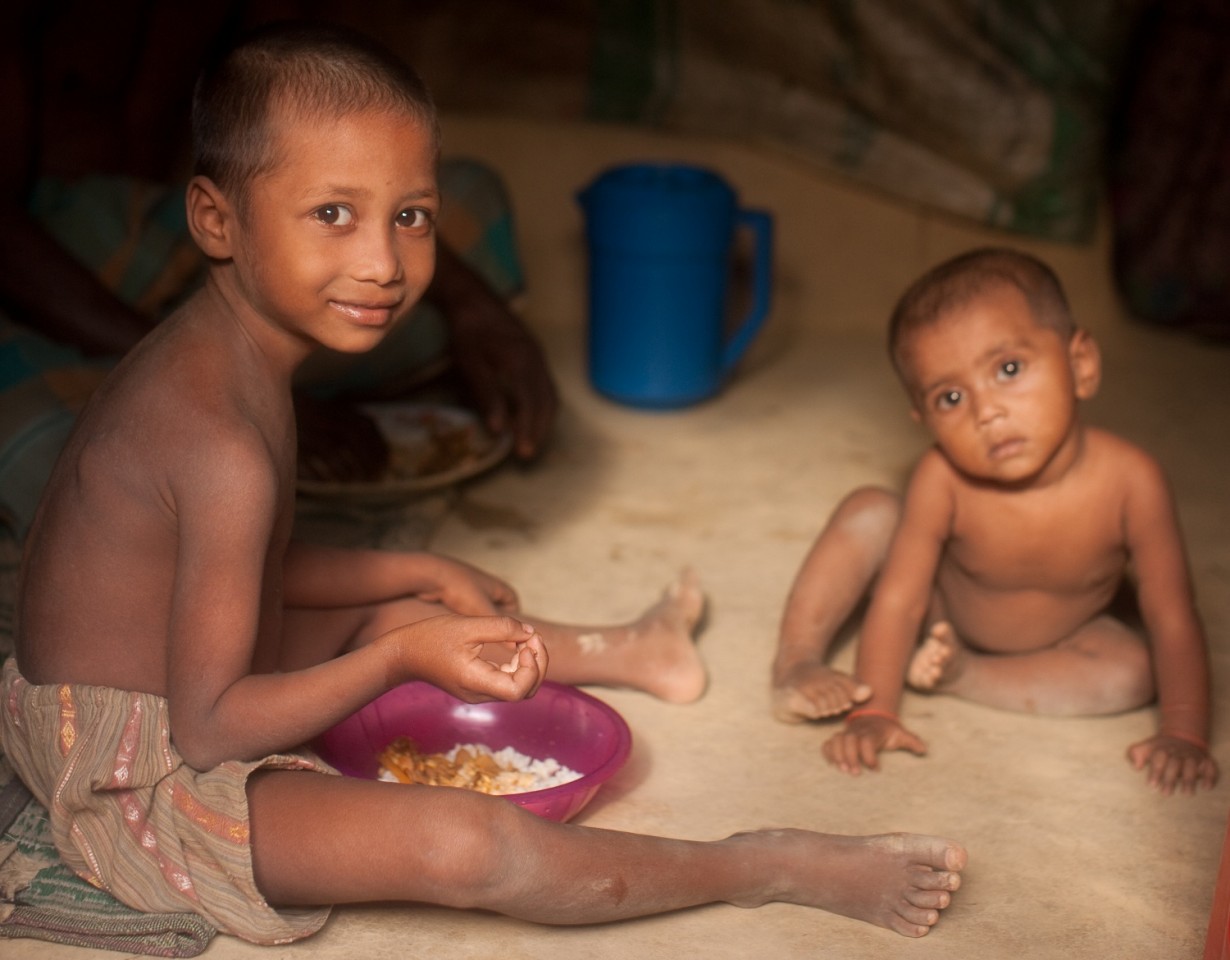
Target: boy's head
(968, 277)
(299, 72)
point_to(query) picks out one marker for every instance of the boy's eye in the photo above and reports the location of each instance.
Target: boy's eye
(416, 218)
(334, 214)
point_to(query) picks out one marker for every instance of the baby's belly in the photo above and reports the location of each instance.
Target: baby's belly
(1018, 621)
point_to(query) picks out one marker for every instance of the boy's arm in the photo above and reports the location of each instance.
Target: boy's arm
(1180, 653)
(321, 576)
(226, 599)
(890, 630)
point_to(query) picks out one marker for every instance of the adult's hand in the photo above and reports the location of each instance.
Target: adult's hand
(499, 360)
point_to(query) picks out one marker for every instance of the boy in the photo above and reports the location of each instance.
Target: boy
(1011, 549)
(175, 648)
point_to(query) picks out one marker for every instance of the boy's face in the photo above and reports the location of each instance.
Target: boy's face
(999, 391)
(338, 241)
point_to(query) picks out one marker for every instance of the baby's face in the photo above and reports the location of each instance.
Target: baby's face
(996, 389)
(338, 241)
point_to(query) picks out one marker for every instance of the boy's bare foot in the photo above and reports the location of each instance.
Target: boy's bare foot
(900, 881)
(656, 653)
(937, 661)
(674, 670)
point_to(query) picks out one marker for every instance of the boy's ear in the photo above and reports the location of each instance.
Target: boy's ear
(1086, 360)
(211, 218)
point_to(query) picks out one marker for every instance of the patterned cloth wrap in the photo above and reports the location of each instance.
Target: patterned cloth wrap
(134, 237)
(130, 817)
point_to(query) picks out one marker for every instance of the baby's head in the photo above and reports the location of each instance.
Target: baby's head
(994, 366)
(299, 73)
(965, 279)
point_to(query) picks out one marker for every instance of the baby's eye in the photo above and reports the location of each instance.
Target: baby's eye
(1009, 369)
(948, 399)
(415, 218)
(334, 214)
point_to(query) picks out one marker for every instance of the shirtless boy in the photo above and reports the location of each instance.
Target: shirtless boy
(175, 648)
(1010, 552)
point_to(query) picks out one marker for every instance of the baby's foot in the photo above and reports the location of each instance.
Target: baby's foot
(667, 663)
(937, 661)
(814, 691)
(900, 881)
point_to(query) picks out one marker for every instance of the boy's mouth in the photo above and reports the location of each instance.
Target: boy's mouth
(369, 314)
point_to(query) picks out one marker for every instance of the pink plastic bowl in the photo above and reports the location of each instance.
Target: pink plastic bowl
(576, 729)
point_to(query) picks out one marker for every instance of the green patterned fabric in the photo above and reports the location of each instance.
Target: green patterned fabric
(994, 110)
(56, 905)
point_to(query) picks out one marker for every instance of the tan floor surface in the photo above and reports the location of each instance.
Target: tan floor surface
(1070, 854)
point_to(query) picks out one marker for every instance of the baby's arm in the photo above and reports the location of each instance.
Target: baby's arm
(890, 630)
(1178, 755)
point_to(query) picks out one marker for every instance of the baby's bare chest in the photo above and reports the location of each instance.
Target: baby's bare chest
(1026, 543)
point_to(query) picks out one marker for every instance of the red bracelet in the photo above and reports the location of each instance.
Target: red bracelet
(1194, 740)
(872, 712)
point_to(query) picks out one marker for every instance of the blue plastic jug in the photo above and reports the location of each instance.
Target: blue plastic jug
(660, 240)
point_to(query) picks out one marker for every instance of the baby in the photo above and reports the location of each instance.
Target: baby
(175, 647)
(1011, 550)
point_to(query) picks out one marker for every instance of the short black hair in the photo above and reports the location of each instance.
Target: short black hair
(314, 69)
(957, 281)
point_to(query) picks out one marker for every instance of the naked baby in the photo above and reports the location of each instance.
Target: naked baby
(1039, 560)
(176, 647)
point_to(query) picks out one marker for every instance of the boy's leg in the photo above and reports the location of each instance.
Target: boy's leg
(654, 653)
(1103, 668)
(834, 578)
(318, 839)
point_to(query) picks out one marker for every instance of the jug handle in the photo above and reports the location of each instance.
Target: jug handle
(761, 224)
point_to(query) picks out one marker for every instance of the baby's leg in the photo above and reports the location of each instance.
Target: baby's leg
(834, 578)
(319, 839)
(1103, 668)
(655, 653)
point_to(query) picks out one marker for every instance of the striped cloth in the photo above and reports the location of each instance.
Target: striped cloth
(130, 817)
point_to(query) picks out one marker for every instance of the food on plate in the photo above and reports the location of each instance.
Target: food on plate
(444, 445)
(474, 766)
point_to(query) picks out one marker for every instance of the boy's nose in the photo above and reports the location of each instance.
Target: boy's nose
(377, 258)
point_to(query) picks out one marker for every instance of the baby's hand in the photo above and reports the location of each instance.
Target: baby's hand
(1173, 761)
(812, 691)
(864, 736)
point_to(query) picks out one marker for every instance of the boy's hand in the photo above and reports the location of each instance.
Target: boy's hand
(860, 743)
(1173, 761)
(467, 590)
(447, 651)
(812, 691)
